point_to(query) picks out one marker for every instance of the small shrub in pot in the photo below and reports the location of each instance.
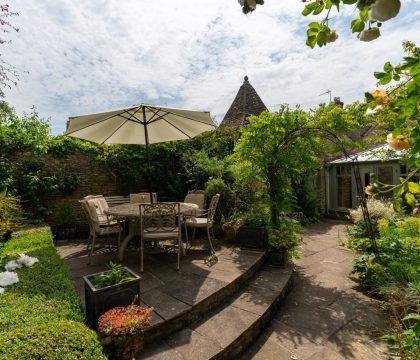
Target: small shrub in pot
(282, 239)
(123, 328)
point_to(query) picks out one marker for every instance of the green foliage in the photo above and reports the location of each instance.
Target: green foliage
(57, 339)
(403, 100)
(26, 133)
(41, 315)
(319, 31)
(117, 274)
(257, 216)
(200, 168)
(275, 148)
(66, 215)
(226, 201)
(21, 139)
(399, 259)
(406, 195)
(11, 214)
(306, 199)
(284, 235)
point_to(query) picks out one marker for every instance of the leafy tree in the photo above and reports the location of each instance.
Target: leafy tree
(274, 148)
(372, 13)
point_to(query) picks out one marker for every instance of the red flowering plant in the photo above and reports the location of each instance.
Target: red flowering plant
(125, 326)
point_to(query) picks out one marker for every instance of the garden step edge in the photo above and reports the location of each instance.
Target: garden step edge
(228, 329)
(183, 319)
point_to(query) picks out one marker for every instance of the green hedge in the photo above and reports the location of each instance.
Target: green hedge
(41, 316)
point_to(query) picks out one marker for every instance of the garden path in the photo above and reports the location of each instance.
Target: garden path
(324, 316)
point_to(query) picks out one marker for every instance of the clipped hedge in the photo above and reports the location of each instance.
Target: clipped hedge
(41, 316)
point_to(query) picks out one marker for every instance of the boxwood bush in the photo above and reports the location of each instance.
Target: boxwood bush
(41, 316)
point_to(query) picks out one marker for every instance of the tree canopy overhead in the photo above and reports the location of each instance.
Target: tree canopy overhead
(372, 13)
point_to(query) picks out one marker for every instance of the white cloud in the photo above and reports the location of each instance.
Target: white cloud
(97, 55)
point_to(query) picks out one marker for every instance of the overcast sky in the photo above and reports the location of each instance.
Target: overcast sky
(96, 55)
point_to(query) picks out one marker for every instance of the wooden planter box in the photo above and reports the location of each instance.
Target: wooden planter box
(98, 301)
(252, 237)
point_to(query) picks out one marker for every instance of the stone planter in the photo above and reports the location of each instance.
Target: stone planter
(98, 301)
(252, 237)
(277, 257)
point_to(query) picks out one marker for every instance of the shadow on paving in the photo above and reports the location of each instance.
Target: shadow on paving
(168, 291)
(324, 316)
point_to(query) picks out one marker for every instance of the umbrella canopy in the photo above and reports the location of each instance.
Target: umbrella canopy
(141, 124)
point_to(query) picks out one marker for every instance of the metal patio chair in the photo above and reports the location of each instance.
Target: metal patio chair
(205, 220)
(158, 222)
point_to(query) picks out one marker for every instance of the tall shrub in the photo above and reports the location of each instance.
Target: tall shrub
(275, 151)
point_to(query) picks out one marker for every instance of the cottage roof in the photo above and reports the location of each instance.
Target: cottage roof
(379, 153)
(246, 103)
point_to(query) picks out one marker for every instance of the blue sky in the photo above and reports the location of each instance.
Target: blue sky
(96, 55)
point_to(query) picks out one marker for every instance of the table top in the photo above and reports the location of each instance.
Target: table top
(133, 209)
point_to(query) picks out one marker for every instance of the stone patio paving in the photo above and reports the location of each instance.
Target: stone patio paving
(324, 317)
(168, 291)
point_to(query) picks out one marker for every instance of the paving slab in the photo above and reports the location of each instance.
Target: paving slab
(324, 317)
(159, 351)
(225, 330)
(223, 327)
(191, 288)
(192, 345)
(164, 305)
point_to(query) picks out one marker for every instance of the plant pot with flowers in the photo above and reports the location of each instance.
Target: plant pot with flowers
(122, 329)
(118, 286)
(282, 241)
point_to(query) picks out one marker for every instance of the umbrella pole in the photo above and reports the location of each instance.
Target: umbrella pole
(149, 170)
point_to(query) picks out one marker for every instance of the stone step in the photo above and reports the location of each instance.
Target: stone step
(229, 328)
(181, 297)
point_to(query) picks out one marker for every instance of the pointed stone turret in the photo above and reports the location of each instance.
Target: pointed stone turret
(247, 102)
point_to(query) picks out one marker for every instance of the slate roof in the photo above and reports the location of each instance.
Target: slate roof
(247, 102)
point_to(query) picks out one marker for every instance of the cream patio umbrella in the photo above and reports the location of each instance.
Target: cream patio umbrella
(140, 124)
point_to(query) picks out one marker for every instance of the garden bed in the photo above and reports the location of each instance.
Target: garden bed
(41, 315)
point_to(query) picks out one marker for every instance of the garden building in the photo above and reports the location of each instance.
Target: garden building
(246, 103)
(340, 183)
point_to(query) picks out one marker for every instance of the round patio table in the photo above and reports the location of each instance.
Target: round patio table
(132, 213)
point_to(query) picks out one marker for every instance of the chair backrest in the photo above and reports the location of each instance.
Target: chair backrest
(197, 197)
(98, 203)
(159, 217)
(142, 198)
(91, 215)
(213, 206)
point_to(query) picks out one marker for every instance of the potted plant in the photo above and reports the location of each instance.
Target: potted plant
(281, 240)
(118, 286)
(253, 231)
(122, 329)
(231, 227)
(66, 222)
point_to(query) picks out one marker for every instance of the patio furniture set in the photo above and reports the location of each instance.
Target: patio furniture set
(153, 221)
